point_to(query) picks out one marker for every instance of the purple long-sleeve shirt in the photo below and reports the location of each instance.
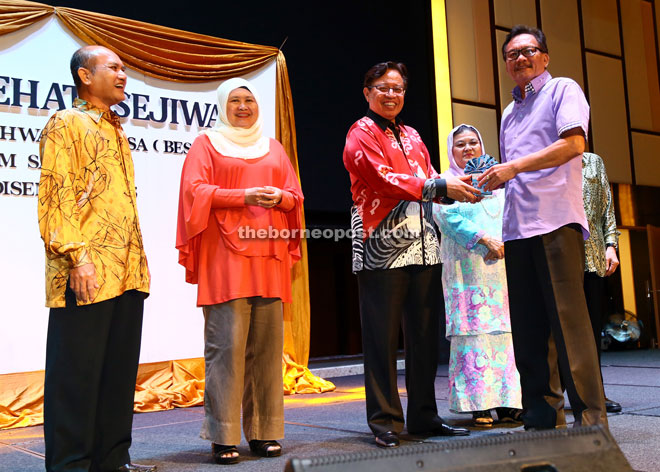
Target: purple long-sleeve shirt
(541, 201)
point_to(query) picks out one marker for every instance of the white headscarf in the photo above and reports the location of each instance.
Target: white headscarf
(454, 169)
(230, 141)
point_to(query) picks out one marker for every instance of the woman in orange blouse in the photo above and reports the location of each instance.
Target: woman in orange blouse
(238, 235)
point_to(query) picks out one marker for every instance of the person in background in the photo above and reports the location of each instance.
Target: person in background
(236, 186)
(600, 248)
(396, 253)
(482, 368)
(542, 138)
(96, 274)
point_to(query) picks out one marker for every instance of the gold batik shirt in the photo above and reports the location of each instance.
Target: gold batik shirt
(600, 213)
(87, 204)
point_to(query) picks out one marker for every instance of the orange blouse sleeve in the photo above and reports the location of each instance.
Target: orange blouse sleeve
(195, 202)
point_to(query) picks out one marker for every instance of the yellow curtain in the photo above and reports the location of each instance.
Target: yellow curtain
(182, 56)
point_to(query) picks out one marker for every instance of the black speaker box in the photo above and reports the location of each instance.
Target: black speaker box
(586, 449)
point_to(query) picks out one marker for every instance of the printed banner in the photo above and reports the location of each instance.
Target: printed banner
(161, 120)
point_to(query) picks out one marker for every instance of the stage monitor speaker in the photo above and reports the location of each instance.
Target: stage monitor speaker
(586, 449)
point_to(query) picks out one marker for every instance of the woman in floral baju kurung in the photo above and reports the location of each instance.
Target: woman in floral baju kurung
(482, 370)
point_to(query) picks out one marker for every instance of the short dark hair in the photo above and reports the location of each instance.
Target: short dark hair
(81, 58)
(380, 69)
(524, 29)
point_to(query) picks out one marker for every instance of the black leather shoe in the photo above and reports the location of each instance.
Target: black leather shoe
(443, 430)
(387, 439)
(538, 428)
(611, 406)
(130, 467)
(447, 430)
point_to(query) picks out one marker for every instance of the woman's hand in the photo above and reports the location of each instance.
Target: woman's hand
(253, 195)
(266, 197)
(272, 196)
(491, 256)
(495, 248)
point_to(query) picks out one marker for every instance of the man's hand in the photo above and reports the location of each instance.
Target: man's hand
(82, 281)
(570, 145)
(460, 190)
(612, 260)
(496, 176)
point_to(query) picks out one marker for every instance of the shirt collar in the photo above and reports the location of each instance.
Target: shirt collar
(532, 87)
(384, 123)
(95, 113)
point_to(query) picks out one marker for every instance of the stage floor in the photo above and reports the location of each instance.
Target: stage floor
(333, 423)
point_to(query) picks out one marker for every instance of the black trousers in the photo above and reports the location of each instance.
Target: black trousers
(594, 292)
(551, 329)
(92, 357)
(412, 295)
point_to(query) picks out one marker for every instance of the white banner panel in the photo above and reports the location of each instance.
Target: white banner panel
(161, 120)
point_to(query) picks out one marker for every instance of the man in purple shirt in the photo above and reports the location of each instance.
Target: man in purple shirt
(542, 138)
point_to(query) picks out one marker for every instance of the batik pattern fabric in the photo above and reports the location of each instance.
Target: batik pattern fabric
(600, 213)
(393, 185)
(482, 371)
(87, 205)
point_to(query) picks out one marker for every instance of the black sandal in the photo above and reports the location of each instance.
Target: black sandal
(225, 454)
(509, 415)
(265, 448)
(482, 418)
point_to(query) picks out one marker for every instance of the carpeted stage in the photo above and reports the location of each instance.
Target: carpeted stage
(333, 423)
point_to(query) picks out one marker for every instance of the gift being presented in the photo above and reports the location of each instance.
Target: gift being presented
(478, 165)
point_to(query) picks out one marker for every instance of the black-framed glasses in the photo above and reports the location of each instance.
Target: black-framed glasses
(528, 51)
(396, 90)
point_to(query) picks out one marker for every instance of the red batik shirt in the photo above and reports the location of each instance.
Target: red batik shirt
(393, 185)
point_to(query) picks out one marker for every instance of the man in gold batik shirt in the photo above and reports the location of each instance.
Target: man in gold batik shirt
(96, 274)
(600, 249)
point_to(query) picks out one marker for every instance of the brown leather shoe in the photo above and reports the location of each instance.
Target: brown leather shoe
(130, 467)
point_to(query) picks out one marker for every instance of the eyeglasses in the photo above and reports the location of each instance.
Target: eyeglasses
(396, 90)
(529, 51)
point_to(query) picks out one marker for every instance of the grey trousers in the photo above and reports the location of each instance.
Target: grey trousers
(243, 341)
